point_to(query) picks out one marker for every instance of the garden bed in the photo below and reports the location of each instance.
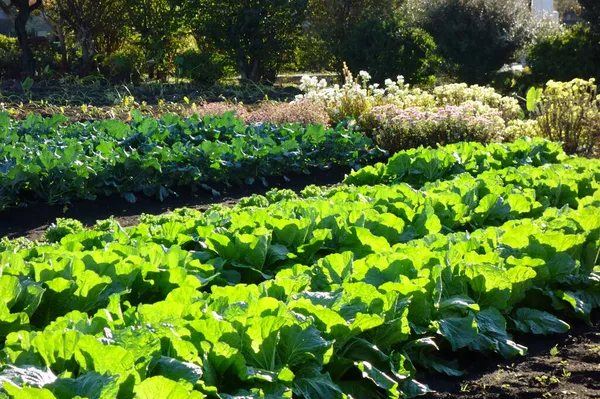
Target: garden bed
(556, 366)
(429, 263)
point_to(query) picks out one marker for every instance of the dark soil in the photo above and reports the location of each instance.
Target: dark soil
(557, 366)
(32, 221)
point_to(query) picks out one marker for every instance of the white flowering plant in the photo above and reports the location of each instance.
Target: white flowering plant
(357, 97)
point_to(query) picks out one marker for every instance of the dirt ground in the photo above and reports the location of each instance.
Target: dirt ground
(557, 366)
(33, 220)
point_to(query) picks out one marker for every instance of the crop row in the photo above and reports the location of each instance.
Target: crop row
(337, 291)
(42, 160)
(418, 166)
(252, 242)
(351, 323)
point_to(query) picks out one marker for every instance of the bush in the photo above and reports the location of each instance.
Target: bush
(398, 129)
(477, 37)
(258, 36)
(124, 65)
(10, 56)
(304, 112)
(574, 53)
(388, 48)
(459, 93)
(591, 13)
(45, 53)
(312, 54)
(202, 67)
(570, 112)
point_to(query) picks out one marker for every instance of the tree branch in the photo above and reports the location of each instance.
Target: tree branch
(6, 8)
(36, 5)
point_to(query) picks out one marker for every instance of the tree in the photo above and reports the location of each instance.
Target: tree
(334, 20)
(23, 10)
(56, 21)
(258, 35)
(477, 37)
(390, 48)
(156, 22)
(591, 13)
(564, 6)
(94, 22)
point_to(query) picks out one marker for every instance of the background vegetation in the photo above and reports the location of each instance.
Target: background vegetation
(206, 41)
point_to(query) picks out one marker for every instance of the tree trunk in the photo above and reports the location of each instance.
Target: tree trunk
(64, 58)
(27, 59)
(59, 29)
(87, 50)
(250, 70)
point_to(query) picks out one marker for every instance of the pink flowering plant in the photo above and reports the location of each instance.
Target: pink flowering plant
(396, 128)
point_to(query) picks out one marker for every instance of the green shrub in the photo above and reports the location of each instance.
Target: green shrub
(312, 54)
(570, 112)
(591, 12)
(46, 54)
(203, 67)
(124, 65)
(391, 48)
(10, 55)
(574, 53)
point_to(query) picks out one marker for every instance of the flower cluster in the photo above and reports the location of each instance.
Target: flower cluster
(471, 113)
(521, 128)
(459, 93)
(396, 128)
(356, 97)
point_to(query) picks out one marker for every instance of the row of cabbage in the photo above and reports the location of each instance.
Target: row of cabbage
(50, 161)
(46, 160)
(346, 291)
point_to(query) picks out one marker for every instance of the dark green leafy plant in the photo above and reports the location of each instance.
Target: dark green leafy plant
(574, 53)
(389, 48)
(45, 161)
(9, 57)
(477, 37)
(259, 37)
(203, 67)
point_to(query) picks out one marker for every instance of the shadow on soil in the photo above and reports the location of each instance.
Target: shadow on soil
(557, 366)
(32, 221)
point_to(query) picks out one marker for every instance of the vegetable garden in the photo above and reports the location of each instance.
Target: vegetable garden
(185, 214)
(347, 291)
